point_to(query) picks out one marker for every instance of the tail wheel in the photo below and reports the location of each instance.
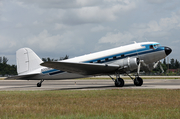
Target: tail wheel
(39, 84)
(119, 82)
(138, 81)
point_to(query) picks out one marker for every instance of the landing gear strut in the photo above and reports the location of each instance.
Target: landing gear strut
(138, 81)
(39, 83)
(119, 82)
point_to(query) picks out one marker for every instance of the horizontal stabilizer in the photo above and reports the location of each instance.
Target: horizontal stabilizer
(26, 77)
(82, 68)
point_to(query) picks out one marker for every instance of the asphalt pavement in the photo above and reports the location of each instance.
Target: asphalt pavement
(87, 84)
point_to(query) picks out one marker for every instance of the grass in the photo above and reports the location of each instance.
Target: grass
(2, 78)
(122, 104)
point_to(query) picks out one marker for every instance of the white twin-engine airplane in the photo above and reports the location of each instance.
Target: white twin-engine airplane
(120, 60)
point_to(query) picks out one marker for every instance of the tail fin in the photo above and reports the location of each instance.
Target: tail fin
(27, 62)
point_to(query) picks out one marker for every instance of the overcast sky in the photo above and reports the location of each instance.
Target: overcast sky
(54, 28)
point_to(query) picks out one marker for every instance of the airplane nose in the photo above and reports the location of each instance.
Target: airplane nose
(168, 50)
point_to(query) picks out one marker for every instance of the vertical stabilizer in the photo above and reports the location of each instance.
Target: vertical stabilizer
(27, 62)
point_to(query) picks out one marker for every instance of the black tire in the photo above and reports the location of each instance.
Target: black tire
(138, 81)
(119, 82)
(38, 84)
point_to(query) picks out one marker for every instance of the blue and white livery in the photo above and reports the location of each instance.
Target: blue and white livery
(124, 59)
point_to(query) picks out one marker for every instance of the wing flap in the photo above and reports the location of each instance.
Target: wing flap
(82, 68)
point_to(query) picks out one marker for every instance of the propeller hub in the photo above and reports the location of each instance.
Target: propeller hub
(168, 50)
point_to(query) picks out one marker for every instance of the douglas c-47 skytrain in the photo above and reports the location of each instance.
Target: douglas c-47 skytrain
(120, 60)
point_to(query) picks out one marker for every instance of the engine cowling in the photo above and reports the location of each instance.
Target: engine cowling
(128, 64)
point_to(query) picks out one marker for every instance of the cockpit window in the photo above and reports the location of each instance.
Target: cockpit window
(154, 46)
(151, 47)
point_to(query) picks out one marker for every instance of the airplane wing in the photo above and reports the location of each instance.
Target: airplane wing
(82, 68)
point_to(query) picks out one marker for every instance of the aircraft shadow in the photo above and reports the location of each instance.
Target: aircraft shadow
(96, 87)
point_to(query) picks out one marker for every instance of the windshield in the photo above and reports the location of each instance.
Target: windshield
(154, 46)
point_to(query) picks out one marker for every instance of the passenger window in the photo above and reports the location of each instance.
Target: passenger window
(114, 57)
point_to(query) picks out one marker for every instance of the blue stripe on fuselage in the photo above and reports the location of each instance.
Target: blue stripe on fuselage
(53, 72)
(132, 53)
(50, 71)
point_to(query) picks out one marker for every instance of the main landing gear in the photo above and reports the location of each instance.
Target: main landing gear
(39, 83)
(119, 82)
(138, 81)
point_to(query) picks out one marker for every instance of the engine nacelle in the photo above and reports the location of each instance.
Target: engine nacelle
(128, 64)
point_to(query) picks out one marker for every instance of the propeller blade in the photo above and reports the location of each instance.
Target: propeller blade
(156, 64)
(161, 68)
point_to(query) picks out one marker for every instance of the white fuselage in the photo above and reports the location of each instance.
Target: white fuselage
(149, 52)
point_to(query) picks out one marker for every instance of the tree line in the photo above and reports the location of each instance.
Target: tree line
(52, 59)
(7, 69)
(173, 64)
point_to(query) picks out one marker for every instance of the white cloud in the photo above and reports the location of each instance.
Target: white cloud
(157, 1)
(116, 38)
(99, 28)
(58, 44)
(153, 26)
(76, 27)
(60, 26)
(3, 19)
(18, 25)
(44, 41)
(7, 44)
(140, 32)
(170, 23)
(62, 4)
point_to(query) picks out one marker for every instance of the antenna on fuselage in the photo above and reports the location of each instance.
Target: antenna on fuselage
(134, 42)
(146, 39)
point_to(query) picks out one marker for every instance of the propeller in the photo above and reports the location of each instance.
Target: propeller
(161, 68)
(139, 65)
(158, 63)
(141, 62)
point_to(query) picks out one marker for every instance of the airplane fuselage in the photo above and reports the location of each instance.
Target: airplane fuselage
(149, 52)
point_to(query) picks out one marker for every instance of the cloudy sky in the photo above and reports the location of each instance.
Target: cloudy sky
(54, 28)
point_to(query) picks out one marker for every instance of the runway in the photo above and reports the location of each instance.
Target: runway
(100, 84)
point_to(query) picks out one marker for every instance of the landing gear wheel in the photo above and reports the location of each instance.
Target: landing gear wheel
(38, 84)
(119, 82)
(138, 81)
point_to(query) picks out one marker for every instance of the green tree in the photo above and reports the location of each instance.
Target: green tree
(64, 58)
(51, 60)
(6, 69)
(176, 64)
(164, 62)
(172, 64)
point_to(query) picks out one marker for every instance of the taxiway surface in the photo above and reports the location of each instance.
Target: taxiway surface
(100, 84)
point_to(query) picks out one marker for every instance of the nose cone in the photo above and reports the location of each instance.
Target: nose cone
(168, 50)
